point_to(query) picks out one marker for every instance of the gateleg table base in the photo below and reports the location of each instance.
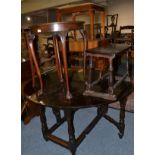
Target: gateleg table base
(74, 142)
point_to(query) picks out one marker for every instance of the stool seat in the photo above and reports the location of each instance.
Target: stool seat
(109, 50)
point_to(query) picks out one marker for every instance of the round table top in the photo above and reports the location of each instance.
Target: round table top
(54, 94)
(57, 27)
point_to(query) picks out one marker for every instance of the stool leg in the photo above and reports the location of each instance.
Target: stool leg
(43, 122)
(71, 131)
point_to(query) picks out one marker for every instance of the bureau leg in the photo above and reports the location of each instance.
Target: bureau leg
(71, 131)
(43, 122)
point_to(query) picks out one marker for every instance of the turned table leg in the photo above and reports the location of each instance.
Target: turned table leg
(102, 110)
(71, 131)
(57, 114)
(122, 117)
(111, 80)
(43, 122)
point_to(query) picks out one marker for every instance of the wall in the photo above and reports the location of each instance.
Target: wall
(38, 17)
(34, 5)
(124, 8)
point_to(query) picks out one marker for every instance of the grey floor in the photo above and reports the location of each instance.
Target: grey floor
(102, 140)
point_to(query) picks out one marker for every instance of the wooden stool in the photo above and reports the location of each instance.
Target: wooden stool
(109, 52)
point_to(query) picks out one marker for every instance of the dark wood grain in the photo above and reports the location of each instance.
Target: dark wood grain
(54, 96)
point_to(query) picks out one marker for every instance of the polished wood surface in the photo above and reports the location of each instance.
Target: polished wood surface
(66, 94)
(54, 96)
(57, 27)
(34, 64)
(59, 32)
(54, 93)
(78, 46)
(110, 52)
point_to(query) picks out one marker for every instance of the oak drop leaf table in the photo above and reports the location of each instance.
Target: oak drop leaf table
(54, 97)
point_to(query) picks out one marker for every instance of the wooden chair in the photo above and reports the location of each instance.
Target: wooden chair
(126, 35)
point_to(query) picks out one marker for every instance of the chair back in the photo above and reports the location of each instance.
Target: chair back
(111, 25)
(126, 35)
